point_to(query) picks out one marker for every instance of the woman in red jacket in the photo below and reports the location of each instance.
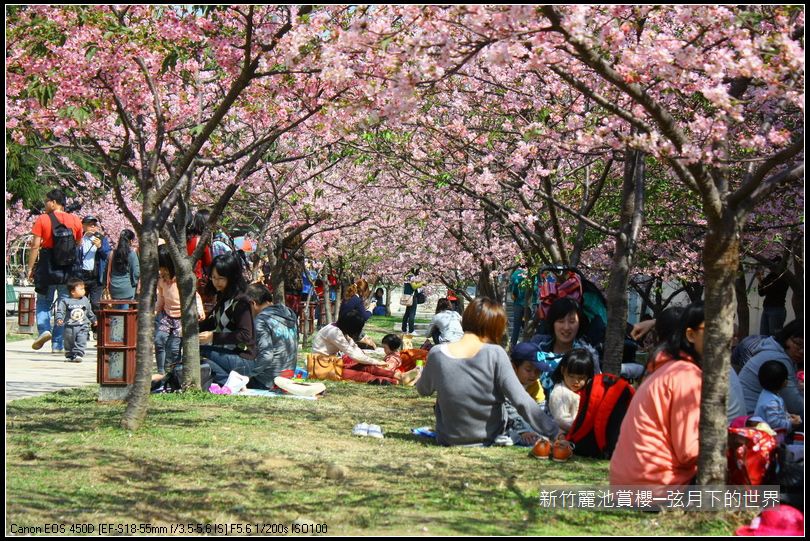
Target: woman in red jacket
(194, 230)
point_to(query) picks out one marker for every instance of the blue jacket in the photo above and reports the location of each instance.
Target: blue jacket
(548, 361)
(770, 350)
(276, 330)
(354, 303)
(102, 256)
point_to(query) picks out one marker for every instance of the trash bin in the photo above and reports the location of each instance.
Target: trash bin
(117, 341)
(26, 310)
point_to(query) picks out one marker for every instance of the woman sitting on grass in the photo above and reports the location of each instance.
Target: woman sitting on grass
(567, 324)
(473, 378)
(658, 442)
(446, 324)
(336, 339)
(226, 335)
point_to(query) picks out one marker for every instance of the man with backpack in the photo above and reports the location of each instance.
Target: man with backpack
(57, 235)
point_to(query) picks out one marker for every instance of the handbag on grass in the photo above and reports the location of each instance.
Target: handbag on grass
(322, 366)
(406, 300)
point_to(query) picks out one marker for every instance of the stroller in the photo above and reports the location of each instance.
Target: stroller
(560, 281)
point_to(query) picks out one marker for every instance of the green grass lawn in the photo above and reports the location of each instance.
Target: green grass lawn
(12, 337)
(203, 458)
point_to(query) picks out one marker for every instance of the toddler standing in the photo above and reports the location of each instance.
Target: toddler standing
(169, 330)
(76, 314)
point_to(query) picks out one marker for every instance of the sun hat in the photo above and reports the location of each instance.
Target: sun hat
(299, 389)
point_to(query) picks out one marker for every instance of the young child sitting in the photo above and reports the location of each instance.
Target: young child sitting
(773, 376)
(379, 309)
(527, 369)
(76, 314)
(392, 344)
(167, 309)
(575, 370)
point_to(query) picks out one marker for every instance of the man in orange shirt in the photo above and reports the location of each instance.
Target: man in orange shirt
(49, 281)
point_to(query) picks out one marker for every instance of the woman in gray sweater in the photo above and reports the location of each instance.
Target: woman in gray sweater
(473, 378)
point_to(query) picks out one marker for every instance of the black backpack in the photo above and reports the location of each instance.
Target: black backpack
(63, 253)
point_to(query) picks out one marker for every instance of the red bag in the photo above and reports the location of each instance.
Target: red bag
(751, 457)
(551, 290)
(409, 358)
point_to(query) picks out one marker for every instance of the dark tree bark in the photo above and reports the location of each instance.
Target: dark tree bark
(721, 260)
(486, 288)
(138, 398)
(630, 225)
(743, 312)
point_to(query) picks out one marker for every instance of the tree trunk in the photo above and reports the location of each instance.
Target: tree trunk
(327, 302)
(721, 260)
(305, 318)
(338, 299)
(485, 286)
(743, 313)
(630, 224)
(187, 285)
(797, 276)
(388, 290)
(527, 329)
(138, 398)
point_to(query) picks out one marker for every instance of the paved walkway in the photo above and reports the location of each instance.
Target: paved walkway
(32, 373)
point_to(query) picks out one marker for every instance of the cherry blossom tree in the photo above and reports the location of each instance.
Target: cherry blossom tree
(148, 88)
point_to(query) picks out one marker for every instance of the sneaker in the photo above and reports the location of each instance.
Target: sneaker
(41, 339)
(541, 449)
(236, 382)
(375, 431)
(503, 441)
(78, 359)
(562, 451)
(360, 429)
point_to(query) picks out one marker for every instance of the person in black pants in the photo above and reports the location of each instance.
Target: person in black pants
(774, 288)
(411, 287)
